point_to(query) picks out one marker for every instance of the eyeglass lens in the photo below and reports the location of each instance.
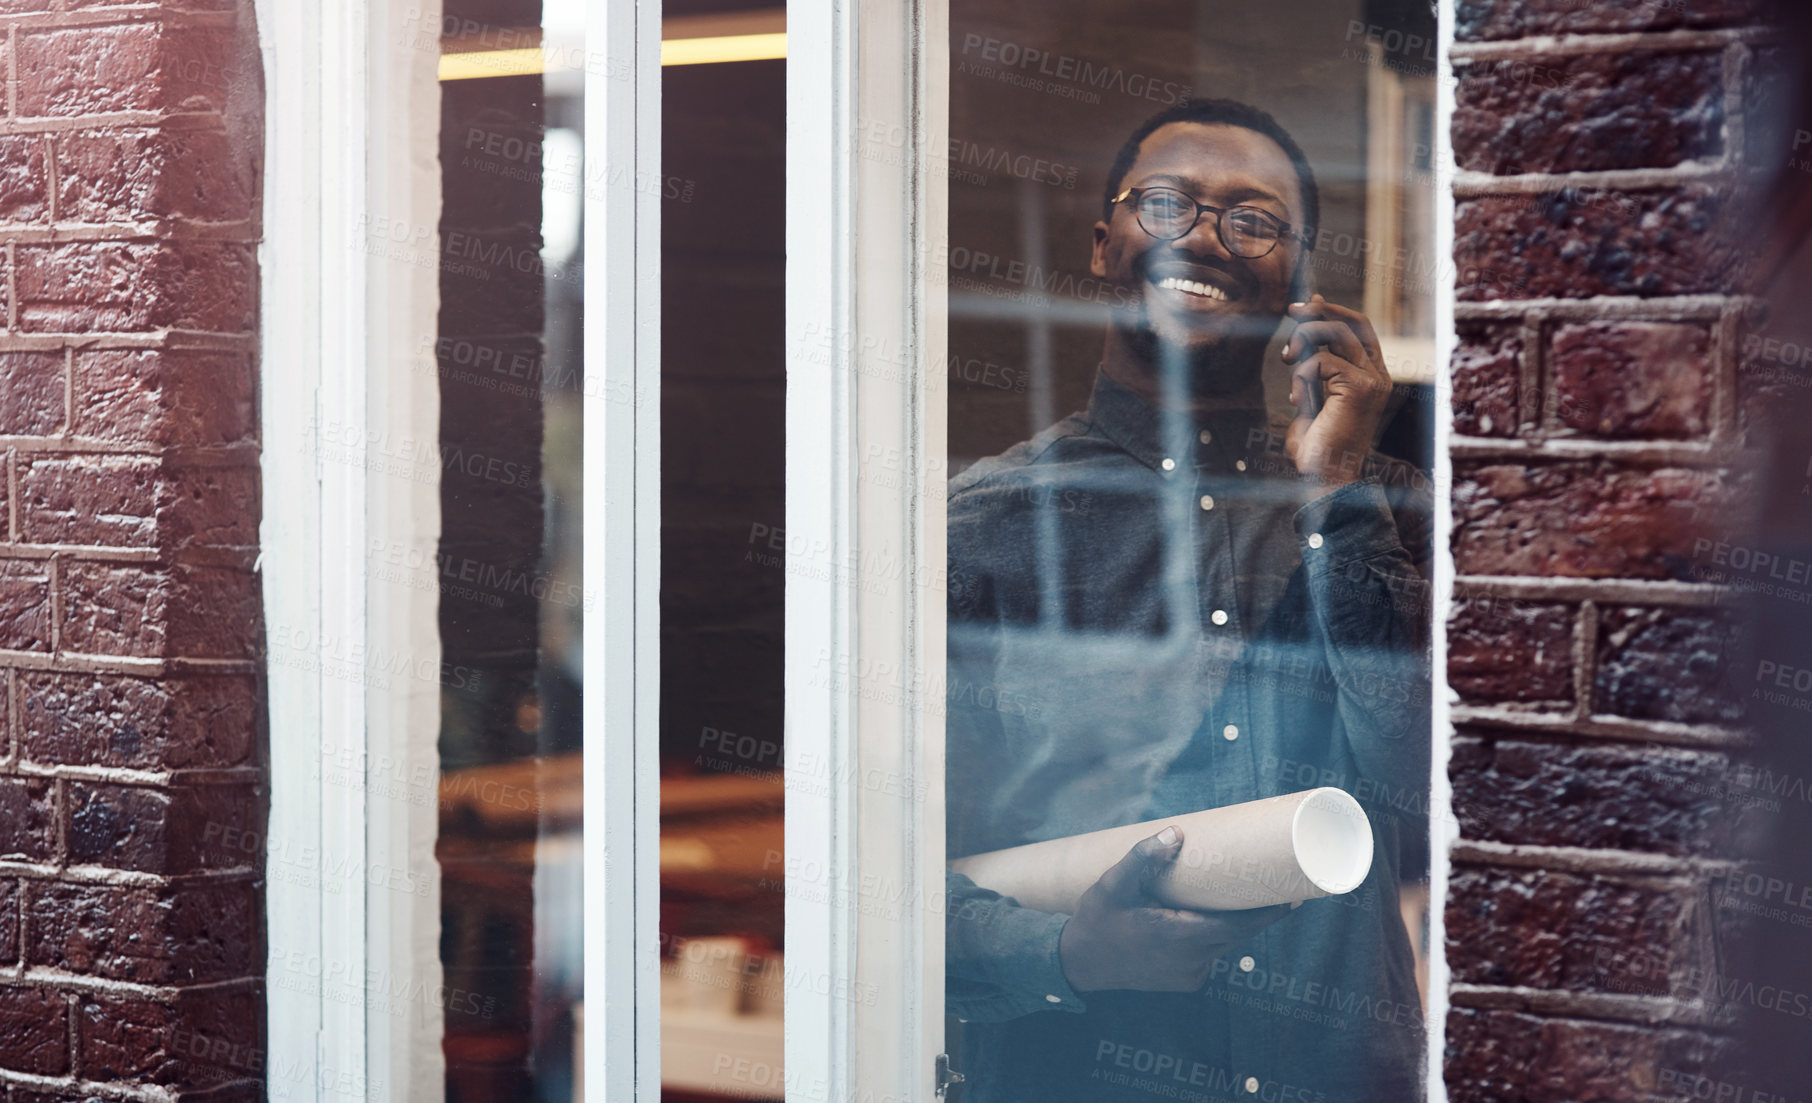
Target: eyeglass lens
(1246, 231)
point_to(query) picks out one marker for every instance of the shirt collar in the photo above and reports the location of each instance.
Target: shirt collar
(1151, 437)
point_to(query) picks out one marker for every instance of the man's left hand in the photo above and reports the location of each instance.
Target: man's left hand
(1337, 346)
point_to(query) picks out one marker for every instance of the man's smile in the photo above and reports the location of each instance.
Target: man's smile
(1191, 287)
(1194, 286)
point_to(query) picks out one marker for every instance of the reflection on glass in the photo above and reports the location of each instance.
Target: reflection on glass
(1207, 585)
(723, 397)
(511, 593)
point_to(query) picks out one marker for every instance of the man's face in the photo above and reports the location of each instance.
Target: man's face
(1223, 166)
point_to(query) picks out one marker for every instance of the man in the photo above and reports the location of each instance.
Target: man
(1166, 603)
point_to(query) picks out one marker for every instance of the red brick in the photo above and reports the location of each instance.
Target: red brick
(241, 1092)
(1576, 244)
(1633, 379)
(34, 1030)
(212, 507)
(172, 398)
(1652, 799)
(115, 610)
(137, 66)
(28, 827)
(134, 502)
(1520, 18)
(1589, 112)
(1498, 1056)
(24, 183)
(1671, 664)
(1540, 929)
(1587, 520)
(169, 831)
(24, 606)
(197, 612)
(31, 403)
(92, 500)
(220, 614)
(9, 922)
(199, 1040)
(190, 935)
(86, 70)
(1503, 649)
(103, 720)
(1487, 367)
(168, 5)
(90, 286)
(133, 174)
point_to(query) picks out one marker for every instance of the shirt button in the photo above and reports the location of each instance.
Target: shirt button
(1219, 616)
(1252, 1084)
(1054, 999)
(1246, 964)
(1204, 436)
(1168, 464)
(1231, 732)
(1240, 464)
(1315, 540)
(1207, 501)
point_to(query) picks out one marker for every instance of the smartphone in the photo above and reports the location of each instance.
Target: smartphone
(1317, 394)
(1312, 407)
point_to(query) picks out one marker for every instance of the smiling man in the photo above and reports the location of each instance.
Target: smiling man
(1168, 602)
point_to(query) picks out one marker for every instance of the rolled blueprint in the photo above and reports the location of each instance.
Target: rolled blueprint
(1274, 851)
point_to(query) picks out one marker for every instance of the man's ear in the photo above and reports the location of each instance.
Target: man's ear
(1097, 264)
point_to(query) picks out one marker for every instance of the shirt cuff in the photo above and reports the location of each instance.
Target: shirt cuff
(1347, 524)
(1032, 959)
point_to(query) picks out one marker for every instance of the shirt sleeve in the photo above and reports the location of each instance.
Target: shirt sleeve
(1001, 960)
(1366, 559)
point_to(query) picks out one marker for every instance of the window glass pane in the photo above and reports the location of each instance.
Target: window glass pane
(1189, 543)
(507, 351)
(723, 569)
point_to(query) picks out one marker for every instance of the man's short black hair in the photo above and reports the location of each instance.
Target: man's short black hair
(1229, 113)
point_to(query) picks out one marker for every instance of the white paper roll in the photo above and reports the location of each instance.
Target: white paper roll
(1274, 851)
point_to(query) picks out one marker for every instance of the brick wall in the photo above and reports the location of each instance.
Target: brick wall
(1603, 413)
(131, 790)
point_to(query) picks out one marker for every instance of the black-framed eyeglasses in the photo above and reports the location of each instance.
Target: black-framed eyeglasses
(1168, 214)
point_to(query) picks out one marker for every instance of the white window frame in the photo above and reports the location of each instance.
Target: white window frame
(351, 134)
(867, 119)
(1443, 826)
(352, 115)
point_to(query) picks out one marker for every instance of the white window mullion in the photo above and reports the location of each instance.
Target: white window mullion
(621, 556)
(820, 130)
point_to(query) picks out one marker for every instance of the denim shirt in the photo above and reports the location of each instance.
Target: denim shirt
(1151, 615)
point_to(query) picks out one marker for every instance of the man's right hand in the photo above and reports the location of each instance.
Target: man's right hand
(1118, 939)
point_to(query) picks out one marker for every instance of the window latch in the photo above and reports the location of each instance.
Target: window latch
(946, 1075)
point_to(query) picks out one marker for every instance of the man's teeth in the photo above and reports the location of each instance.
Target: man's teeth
(1171, 283)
